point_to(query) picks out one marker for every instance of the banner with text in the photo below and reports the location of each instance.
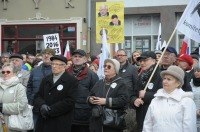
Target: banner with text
(110, 16)
(52, 41)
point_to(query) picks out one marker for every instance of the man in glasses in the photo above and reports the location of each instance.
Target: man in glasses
(22, 74)
(56, 98)
(36, 76)
(130, 75)
(169, 58)
(141, 98)
(87, 78)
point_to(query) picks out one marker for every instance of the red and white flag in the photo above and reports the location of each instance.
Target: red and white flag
(189, 23)
(67, 51)
(184, 46)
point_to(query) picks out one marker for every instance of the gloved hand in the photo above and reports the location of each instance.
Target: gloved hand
(44, 110)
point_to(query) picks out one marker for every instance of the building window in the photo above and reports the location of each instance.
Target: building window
(28, 39)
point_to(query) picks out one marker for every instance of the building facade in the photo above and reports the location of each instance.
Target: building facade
(23, 24)
(142, 19)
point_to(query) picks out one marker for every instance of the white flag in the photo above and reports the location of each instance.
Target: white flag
(104, 55)
(159, 44)
(116, 49)
(189, 23)
(164, 44)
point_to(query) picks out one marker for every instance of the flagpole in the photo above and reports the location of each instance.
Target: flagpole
(160, 59)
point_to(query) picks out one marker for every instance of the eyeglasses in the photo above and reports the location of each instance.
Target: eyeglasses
(56, 64)
(107, 66)
(5, 72)
(120, 55)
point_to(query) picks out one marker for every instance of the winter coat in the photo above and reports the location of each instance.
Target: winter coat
(60, 97)
(196, 92)
(23, 76)
(130, 75)
(154, 85)
(87, 78)
(36, 76)
(174, 112)
(116, 99)
(8, 89)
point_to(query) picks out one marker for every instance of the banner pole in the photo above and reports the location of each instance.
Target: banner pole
(160, 59)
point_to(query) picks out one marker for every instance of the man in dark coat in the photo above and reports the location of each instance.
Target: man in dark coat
(141, 98)
(87, 78)
(56, 99)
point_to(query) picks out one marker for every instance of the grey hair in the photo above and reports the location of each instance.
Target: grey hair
(15, 69)
(103, 6)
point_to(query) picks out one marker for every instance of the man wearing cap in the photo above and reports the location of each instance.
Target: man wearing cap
(22, 74)
(87, 78)
(141, 98)
(169, 58)
(130, 75)
(56, 98)
(36, 76)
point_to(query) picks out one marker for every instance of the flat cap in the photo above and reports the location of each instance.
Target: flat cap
(79, 51)
(16, 56)
(61, 58)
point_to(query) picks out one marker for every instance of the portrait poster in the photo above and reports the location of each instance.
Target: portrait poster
(110, 16)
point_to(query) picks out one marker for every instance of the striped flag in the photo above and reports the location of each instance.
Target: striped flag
(67, 51)
(184, 49)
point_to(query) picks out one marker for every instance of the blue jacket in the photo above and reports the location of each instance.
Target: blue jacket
(36, 76)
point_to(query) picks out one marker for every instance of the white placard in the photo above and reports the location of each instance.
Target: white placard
(52, 41)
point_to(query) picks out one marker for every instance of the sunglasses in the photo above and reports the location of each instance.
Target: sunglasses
(108, 66)
(6, 72)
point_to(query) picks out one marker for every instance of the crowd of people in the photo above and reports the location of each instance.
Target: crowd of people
(67, 95)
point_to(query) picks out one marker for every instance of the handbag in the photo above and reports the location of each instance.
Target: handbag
(23, 121)
(114, 118)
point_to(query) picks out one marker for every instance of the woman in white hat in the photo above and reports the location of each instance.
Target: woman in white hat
(109, 93)
(172, 109)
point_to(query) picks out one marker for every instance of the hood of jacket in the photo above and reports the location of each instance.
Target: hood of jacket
(9, 83)
(177, 94)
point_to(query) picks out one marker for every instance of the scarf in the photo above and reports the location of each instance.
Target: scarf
(196, 81)
(145, 75)
(77, 71)
(10, 82)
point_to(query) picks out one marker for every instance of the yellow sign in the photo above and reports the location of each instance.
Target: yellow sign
(110, 16)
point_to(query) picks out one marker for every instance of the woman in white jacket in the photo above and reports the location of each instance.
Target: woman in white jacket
(172, 109)
(10, 86)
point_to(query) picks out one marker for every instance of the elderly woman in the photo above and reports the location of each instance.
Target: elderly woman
(110, 92)
(10, 86)
(172, 109)
(141, 98)
(195, 84)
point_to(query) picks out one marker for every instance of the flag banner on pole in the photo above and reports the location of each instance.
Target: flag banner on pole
(67, 51)
(164, 44)
(159, 44)
(184, 49)
(104, 55)
(116, 49)
(189, 23)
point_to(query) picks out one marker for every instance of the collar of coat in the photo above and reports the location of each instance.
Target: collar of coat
(177, 94)
(82, 75)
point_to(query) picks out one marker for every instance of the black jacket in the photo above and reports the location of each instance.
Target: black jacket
(130, 75)
(156, 82)
(118, 95)
(60, 97)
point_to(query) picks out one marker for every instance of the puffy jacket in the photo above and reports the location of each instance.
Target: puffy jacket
(174, 112)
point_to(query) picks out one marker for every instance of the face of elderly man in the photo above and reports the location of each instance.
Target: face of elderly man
(103, 10)
(78, 59)
(17, 61)
(168, 58)
(58, 67)
(146, 63)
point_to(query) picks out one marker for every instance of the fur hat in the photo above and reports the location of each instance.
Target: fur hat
(174, 71)
(115, 63)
